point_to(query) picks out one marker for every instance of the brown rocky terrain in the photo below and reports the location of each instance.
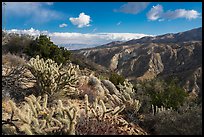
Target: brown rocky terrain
(177, 55)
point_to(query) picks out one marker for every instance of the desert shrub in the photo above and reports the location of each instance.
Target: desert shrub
(186, 121)
(116, 79)
(45, 48)
(95, 127)
(144, 98)
(167, 94)
(16, 44)
(53, 79)
(12, 60)
(13, 76)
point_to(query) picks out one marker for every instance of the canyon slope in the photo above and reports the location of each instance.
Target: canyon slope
(166, 55)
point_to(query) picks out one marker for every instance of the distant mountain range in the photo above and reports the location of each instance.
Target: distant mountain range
(190, 35)
(166, 55)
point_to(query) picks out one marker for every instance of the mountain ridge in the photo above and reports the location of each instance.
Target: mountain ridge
(147, 60)
(196, 34)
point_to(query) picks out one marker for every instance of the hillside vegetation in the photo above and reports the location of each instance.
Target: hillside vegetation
(45, 93)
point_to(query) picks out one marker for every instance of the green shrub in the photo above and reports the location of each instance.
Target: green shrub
(167, 94)
(45, 48)
(116, 79)
(186, 121)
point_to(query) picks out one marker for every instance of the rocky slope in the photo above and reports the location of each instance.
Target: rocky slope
(167, 55)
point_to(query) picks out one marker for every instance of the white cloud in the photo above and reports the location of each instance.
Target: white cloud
(31, 31)
(157, 13)
(118, 23)
(63, 25)
(82, 21)
(37, 12)
(133, 7)
(80, 40)
(181, 13)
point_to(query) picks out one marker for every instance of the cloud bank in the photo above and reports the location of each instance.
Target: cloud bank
(132, 7)
(80, 40)
(157, 13)
(82, 21)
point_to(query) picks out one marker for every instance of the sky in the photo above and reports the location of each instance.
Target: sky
(78, 25)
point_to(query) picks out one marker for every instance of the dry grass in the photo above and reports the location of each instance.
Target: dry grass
(12, 60)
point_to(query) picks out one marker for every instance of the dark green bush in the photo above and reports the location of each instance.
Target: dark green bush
(167, 94)
(45, 48)
(116, 79)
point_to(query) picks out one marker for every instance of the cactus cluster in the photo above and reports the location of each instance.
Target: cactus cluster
(53, 78)
(35, 117)
(124, 96)
(97, 118)
(100, 118)
(106, 91)
(99, 110)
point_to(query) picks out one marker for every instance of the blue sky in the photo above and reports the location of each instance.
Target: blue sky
(121, 20)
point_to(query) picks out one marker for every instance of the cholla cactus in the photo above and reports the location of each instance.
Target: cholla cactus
(52, 78)
(127, 87)
(125, 96)
(156, 109)
(34, 117)
(100, 119)
(99, 110)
